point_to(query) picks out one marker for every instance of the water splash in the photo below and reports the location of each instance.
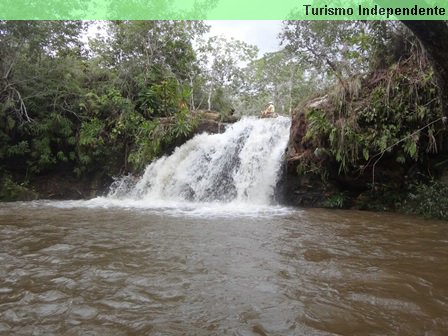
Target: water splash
(241, 166)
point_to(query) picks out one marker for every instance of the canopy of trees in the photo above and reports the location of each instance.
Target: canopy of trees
(69, 103)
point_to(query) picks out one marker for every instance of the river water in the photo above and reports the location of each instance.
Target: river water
(95, 268)
(196, 247)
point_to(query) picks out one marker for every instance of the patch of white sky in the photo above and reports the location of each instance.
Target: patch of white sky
(261, 33)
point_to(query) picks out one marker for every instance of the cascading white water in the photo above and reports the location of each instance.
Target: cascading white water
(240, 165)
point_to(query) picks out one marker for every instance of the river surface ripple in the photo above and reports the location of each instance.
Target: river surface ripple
(68, 269)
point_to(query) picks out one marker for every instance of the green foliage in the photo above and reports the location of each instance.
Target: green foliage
(164, 98)
(357, 127)
(11, 191)
(89, 134)
(47, 143)
(152, 136)
(278, 77)
(18, 149)
(182, 125)
(427, 199)
(336, 200)
(223, 78)
(380, 197)
(148, 141)
(65, 107)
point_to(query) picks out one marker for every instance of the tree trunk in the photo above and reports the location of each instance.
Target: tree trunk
(433, 35)
(193, 108)
(291, 81)
(209, 98)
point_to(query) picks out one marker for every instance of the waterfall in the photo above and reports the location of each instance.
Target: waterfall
(241, 165)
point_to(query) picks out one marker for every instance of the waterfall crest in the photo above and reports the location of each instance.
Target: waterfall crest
(241, 165)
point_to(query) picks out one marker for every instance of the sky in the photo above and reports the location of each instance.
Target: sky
(263, 34)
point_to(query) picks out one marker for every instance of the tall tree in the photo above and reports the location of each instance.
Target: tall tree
(340, 49)
(41, 71)
(278, 77)
(30, 44)
(223, 60)
(144, 52)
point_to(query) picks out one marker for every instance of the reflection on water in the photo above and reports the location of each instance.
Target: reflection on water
(124, 271)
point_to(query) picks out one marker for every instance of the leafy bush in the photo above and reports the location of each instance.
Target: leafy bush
(337, 200)
(429, 200)
(11, 191)
(393, 113)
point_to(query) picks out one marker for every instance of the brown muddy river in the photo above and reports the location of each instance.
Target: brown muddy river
(72, 269)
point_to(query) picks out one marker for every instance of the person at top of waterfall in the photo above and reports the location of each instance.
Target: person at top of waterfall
(269, 111)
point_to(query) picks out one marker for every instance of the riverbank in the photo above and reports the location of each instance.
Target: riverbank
(375, 142)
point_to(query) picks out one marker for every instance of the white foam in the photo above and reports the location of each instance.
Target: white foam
(242, 164)
(178, 208)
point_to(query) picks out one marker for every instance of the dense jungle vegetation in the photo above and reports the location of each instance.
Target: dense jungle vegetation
(377, 136)
(88, 101)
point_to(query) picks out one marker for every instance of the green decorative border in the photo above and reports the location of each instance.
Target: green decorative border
(223, 9)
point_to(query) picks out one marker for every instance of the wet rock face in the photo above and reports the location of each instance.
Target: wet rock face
(209, 126)
(298, 147)
(209, 122)
(213, 122)
(303, 189)
(307, 187)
